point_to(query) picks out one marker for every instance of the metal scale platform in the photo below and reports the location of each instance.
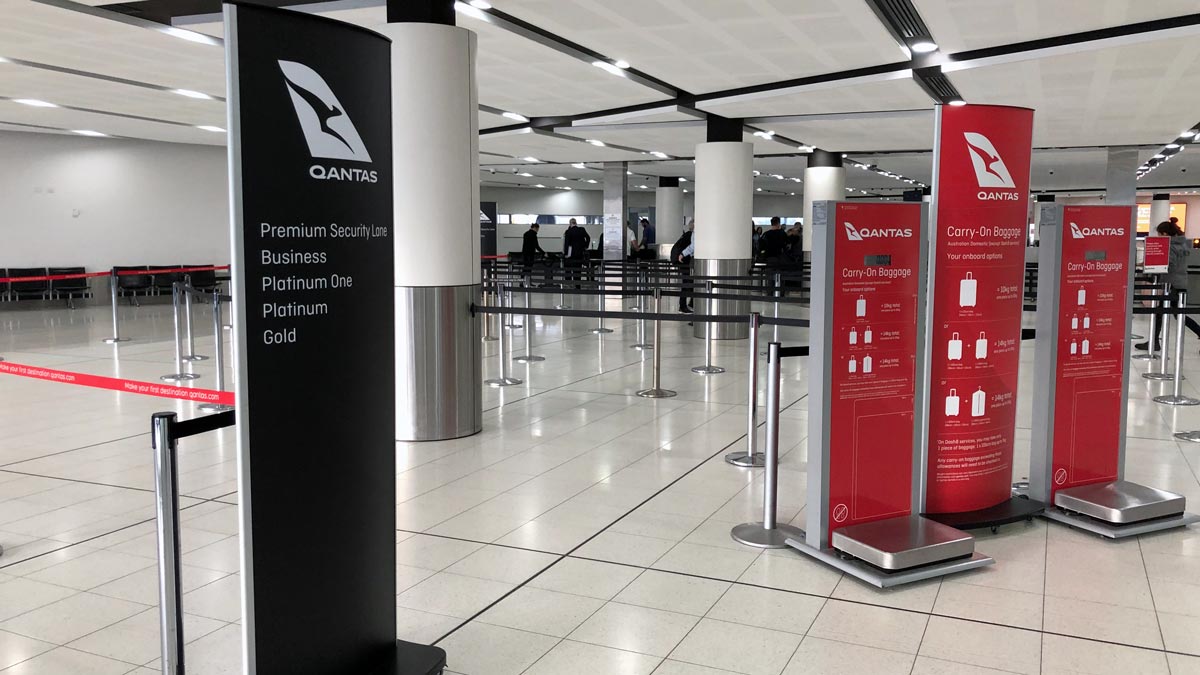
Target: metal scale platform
(898, 551)
(1120, 509)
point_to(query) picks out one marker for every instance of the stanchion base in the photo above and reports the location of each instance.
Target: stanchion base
(746, 460)
(503, 382)
(489, 338)
(1193, 436)
(708, 370)
(1171, 399)
(529, 358)
(601, 331)
(562, 307)
(115, 340)
(753, 534)
(1158, 376)
(656, 393)
(214, 407)
(195, 357)
(642, 346)
(1135, 336)
(513, 326)
(177, 377)
(1143, 356)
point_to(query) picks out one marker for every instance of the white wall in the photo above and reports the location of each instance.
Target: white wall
(99, 202)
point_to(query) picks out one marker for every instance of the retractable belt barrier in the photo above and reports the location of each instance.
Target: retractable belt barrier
(117, 384)
(93, 275)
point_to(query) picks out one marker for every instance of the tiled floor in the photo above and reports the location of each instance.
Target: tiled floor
(584, 531)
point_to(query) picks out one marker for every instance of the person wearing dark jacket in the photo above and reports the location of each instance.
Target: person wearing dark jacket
(774, 241)
(1177, 276)
(681, 255)
(575, 250)
(530, 248)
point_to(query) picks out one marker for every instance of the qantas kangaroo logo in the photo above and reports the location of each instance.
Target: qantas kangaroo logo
(851, 233)
(990, 171)
(327, 128)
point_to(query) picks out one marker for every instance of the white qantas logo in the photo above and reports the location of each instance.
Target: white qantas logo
(327, 128)
(990, 171)
(1080, 232)
(856, 234)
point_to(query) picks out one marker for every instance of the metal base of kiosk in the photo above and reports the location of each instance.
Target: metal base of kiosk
(415, 659)
(881, 578)
(904, 542)
(1120, 509)
(1009, 511)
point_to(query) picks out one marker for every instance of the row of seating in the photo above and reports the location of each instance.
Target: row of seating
(58, 289)
(130, 286)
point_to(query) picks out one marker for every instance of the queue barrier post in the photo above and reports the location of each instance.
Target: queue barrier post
(504, 380)
(187, 321)
(180, 374)
(507, 301)
(1154, 332)
(656, 390)
(528, 356)
(600, 329)
(1176, 396)
(708, 368)
(769, 533)
(751, 457)
(487, 318)
(112, 288)
(166, 493)
(562, 287)
(1165, 330)
(641, 344)
(218, 355)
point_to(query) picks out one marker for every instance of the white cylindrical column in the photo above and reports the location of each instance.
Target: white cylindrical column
(435, 172)
(824, 179)
(724, 207)
(1160, 210)
(668, 214)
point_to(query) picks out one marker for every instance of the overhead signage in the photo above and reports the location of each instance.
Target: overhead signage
(870, 353)
(487, 228)
(1157, 255)
(981, 192)
(1084, 312)
(311, 185)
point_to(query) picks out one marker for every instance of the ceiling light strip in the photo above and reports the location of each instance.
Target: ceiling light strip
(99, 12)
(93, 111)
(99, 76)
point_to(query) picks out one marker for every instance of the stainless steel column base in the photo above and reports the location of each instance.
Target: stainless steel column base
(115, 340)
(503, 382)
(529, 358)
(195, 357)
(179, 377)
(214, 407)
(721, 268)
(708, 370)
(656, 393)
(1171, 399)
(745, 460)
(754, 534)
(1191, 436)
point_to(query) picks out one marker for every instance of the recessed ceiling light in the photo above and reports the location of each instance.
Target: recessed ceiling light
(560, 178)
(539, 185)
(1172, 146)
(592, 181)
(685, 189)
(776, 176)
(190, 36)
(598, 144)
(1187, 134)
(805, 148)
(191, 94)
(764, 134)
(531, 159)
(609, 68)
(643, 187)
(628, 173)
(682, 180)
(579, 165)
(956, 102)
(525, 174)
(480, 4)
(660, 155)
(1158, 156)
(923, 46)
(470, 10)
(622, 64)
(514, 116)
(564, 187)
(756, 173)
(209, 127)
(34, 102)
(87, 132)
(758, 189)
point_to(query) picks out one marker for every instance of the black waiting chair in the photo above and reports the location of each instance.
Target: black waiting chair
(69, 288)
(133, 286)
(21, 290)
(163, 281)
(204, 281)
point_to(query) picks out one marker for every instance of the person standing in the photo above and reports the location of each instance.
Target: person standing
(681, 256)
(774, 242)
(529, 250)
(575, 250)
(1177, 276)
(648, 234)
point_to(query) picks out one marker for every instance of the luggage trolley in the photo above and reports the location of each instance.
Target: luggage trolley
(866, 467)
(1077, 462)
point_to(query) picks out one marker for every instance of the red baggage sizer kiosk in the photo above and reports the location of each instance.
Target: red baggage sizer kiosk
(1085, 295)
(865, 466)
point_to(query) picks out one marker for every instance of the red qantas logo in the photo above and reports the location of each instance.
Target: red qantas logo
(856, 234)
